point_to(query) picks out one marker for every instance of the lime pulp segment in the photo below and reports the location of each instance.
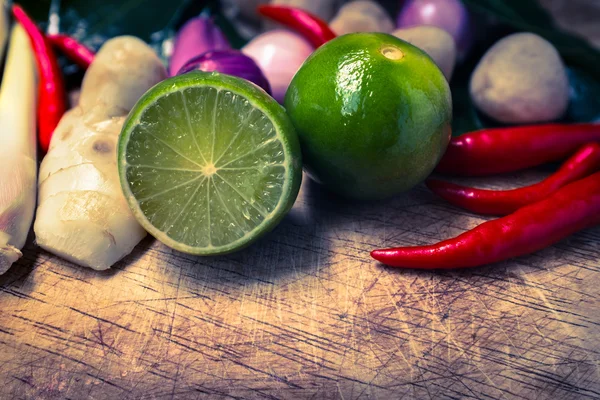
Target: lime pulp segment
(207, 169)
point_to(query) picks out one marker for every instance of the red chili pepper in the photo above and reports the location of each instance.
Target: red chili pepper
(75, 51)
(500, 150)
(51, 89)
(313, 28)
(532, 228)
(502, 202)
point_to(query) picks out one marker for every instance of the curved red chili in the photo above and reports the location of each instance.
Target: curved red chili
(500, 150)
(52, 98)
(311, 27)
(534, 227)
(73, 50)
(502, 202)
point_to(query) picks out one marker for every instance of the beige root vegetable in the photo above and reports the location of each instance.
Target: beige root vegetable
(82, 214)
(18, 150)
(521, 79)
(361, 16)
(434, 41)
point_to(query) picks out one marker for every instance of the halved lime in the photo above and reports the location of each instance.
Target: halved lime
(208, 163)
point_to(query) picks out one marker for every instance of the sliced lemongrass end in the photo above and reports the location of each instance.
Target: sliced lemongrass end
(8, 254)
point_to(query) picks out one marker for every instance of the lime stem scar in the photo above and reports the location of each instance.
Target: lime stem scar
(393, 53)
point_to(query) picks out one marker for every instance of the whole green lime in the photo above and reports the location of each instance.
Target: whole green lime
(373, 114)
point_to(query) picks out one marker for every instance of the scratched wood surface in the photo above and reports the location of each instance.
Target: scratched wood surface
(305, 313)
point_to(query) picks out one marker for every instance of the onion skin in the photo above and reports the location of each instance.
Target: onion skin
(450, 15)
(230, 62)
(196, 37)
(279, 54)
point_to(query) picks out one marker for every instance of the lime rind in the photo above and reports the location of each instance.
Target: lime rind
(181, 159)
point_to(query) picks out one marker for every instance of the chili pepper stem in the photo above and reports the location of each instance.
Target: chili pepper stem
(73, 50)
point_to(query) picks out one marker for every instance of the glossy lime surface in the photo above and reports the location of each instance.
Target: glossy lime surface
(208, 163)
(373, 115)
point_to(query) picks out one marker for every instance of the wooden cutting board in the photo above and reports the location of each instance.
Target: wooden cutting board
(306, 313)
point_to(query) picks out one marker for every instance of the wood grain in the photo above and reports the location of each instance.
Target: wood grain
(305, 313)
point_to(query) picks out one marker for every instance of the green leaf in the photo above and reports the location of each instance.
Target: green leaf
(585, 97)
(516, 13)
(109, 17)
(465, 116)
(93, 22)
(154, 21)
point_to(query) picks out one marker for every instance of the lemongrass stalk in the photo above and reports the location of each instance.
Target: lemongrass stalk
(18, 172)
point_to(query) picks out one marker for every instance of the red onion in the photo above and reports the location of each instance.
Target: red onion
(279, 53)
(196, 37)
(450, 15)
(230, 62)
